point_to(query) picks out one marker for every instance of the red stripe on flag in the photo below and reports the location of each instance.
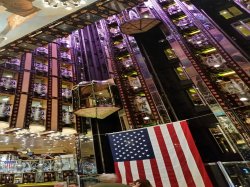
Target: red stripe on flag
(180, 154)
(156, 173)
(117, 172)
(195, 154)
(141, 170)
(166, 157)
(129, 177)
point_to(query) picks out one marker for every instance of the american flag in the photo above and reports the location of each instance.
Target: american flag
(166, 155)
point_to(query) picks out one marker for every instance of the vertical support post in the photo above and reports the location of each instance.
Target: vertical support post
(224, 172)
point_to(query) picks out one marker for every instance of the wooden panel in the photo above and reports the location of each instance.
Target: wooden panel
(54, 67)
(54, 50)
(21, 111)
(54, 115)
(26, 80)
(54, 87)
(28, 61)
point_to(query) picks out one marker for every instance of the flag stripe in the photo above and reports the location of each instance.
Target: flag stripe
(121, 168)
(134, 171)
(160, 158)
(156, 173)
(118, 174)
(166, 158)
(181, 156)
(148, 171)
(129, 177)
(195, 154)
(141, 170)
(173, 156)
(188, 156)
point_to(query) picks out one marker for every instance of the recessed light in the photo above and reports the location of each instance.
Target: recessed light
(217, 65)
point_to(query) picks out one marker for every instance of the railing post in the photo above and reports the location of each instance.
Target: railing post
(224, 172)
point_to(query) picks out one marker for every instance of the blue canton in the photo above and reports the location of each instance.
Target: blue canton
(131, 145)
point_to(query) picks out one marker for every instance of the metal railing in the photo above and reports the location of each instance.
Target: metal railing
(230, 174)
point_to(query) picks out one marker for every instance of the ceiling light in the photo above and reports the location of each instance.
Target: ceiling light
(3, 38)
(217, 65)
(5, 99)
(68, 4)
(243, 99)
(146, 118)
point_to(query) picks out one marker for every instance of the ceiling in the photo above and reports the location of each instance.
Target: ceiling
(28, 24)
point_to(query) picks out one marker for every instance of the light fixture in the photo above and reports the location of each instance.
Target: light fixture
(243, 99)
(5, 99)
(68, 4)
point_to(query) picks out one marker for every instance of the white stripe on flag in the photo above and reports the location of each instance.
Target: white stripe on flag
(188, 155)
(159, 158)
(148, 171)
(122, 172)
(134, 170)
(173, 157)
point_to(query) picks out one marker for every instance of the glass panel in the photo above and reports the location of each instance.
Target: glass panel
(220, 139)
(235, 11)
(194, 96)
(87, 163)
(243, 27)
(226, 14)
(181, 74)
(170, 54)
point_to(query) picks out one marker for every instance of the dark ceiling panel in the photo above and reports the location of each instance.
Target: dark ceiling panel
(90, 17)
(64, 26)
(46, 37)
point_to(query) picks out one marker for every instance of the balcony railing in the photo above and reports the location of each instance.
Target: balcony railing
(142, 105)
(11, 64)
(64, 43)
(42, 51)
(65, 57)
(40, 90)
(67, 95)
(38, 114)
(41, 69)
(5, 110)
(68, 118)
(231, 174)
(8, 85)
(66, 74)
(214, 60)
(174, 10)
